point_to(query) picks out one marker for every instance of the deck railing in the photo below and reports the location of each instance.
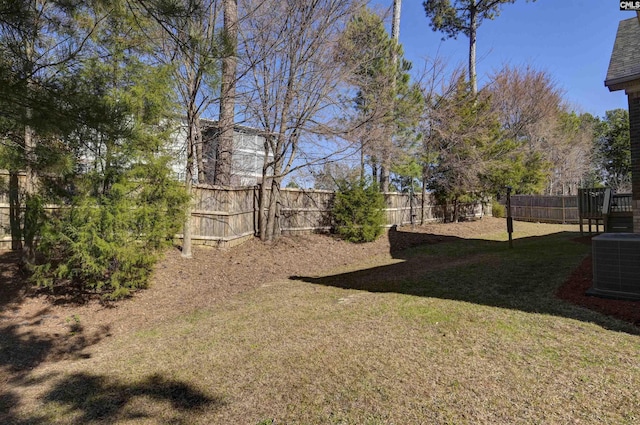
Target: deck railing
(602, 206)
(590, 202)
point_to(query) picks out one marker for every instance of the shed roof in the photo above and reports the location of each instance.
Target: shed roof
(624, 66)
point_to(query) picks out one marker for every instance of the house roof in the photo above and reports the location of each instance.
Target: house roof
(624, 66)
(212, 124)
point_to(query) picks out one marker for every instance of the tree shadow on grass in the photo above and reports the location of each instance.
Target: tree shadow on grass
(22, 349)
(479, 271)
(23, 343)
(79, 398)
(86, 398)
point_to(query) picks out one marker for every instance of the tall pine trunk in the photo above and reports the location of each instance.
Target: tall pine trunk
(228, 94)
(28, 234)
(385, 164)
(473, 28)
(384, 174)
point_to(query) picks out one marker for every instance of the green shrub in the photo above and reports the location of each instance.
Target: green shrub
(498, 210)
(358, 211)
(109, 243)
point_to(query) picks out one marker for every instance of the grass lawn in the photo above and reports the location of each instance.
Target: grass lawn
(466, 331)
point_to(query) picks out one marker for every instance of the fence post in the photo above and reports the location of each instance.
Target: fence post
(509, 217)
(255, 210)
(411, 206)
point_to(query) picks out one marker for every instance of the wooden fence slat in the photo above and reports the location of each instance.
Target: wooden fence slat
(545, 209)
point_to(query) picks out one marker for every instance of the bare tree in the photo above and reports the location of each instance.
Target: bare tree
(568, 146)
(531, 111)
(189, 41)
(437, 86)
(522, 97)
(331, 174)
(291, 84)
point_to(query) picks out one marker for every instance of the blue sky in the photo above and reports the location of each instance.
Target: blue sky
(570, 39)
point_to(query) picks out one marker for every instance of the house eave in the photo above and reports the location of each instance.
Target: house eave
(630, 83)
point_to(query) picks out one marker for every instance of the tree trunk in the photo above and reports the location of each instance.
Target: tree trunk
(272, 213)
(262, 201)
(271, 225)
(186, 230)
(456, 212)
(188, 184)
(273, 230)
(14, 211)
(473, 28)
(29, 231)
(384, 174)
(361, 161)
(385, 164)
(228, 93)
(262, 211)
(199, 147)
(28, 253)
(395, 25)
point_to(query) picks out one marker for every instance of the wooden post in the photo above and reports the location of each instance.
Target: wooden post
(509, 218)
(255, 209)
(411, 212)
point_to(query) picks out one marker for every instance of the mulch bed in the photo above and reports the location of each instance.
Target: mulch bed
(574, 291)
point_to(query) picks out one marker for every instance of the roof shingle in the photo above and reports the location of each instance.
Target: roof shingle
(624, 65)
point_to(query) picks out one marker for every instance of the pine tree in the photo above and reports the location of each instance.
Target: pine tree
(463, 133)
(123, 203)
(358, 211)
(463, 16)
(613, 149)
(40, 41)
(388, 105)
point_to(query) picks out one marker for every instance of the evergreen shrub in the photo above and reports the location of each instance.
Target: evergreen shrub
(109, 243)
(498, 210)
(358, 211)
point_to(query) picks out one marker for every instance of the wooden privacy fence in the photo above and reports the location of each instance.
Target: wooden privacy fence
(228, 216)
(224, 216)
(545, 209)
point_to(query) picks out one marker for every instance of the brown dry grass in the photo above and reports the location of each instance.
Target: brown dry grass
(314, 330)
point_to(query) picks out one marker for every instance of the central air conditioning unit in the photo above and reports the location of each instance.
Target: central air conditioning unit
(616, 266)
